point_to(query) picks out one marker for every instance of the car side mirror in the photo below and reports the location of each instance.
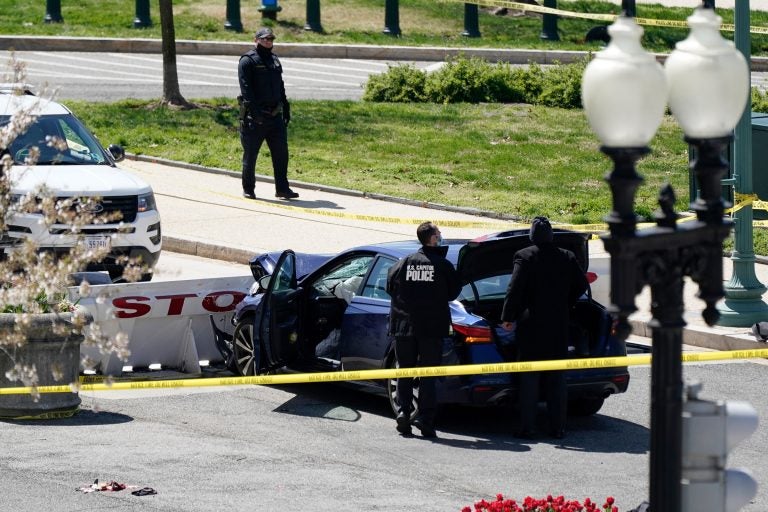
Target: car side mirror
(264, 282)
(117, 152)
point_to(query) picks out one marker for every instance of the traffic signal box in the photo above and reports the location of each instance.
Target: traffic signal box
(711, 429)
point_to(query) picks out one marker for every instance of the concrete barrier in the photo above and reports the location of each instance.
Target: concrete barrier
(168, 324)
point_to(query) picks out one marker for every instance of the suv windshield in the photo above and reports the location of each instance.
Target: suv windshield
(60, 139)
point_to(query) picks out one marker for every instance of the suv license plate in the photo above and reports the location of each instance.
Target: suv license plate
(97, 242)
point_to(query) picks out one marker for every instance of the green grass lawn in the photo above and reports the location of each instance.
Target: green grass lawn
(423, 22)
(516, 160)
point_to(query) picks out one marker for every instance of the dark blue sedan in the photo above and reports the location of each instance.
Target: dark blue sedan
(318, 313)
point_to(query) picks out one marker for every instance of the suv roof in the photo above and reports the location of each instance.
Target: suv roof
(12, 103)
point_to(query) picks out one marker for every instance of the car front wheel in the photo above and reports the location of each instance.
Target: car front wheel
(246, 351)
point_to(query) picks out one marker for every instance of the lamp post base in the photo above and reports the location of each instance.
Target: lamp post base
(742, 311)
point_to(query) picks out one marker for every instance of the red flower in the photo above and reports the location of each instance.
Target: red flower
(548, 504)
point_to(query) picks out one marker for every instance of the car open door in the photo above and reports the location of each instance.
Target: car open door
(279, 325)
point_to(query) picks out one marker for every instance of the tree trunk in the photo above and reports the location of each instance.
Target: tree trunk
(171, 91)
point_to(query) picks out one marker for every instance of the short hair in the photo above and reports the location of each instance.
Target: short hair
(425, 231)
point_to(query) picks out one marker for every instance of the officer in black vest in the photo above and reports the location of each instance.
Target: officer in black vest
(264, 114)
(421, 285)
(546, 282)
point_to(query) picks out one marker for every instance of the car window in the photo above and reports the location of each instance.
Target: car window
(376, 286)
(349, 271)
(488, 288)
(285, 275)
(60, 139)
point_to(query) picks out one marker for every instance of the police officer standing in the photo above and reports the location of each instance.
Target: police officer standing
(546, 282)
(421, 285)
(264, 114)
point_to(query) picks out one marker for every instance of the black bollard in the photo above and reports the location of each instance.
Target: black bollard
(549, 23)
(391, 18)
(313, 16)
(142, 18)
(53, 11)
(233, 16)
(471, 23)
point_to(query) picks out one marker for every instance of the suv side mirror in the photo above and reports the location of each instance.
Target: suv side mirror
(117, 152)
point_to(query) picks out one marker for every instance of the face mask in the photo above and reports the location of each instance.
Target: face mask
(440, 241)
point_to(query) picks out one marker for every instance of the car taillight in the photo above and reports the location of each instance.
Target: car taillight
(474, 334)
(591, 277)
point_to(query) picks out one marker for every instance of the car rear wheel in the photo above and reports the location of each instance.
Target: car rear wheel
(247, 353)
(586, 406)
(392, 391)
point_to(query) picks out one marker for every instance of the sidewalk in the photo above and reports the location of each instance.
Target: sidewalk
(203, 214)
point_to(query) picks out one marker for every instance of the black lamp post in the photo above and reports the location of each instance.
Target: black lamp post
(624, 95)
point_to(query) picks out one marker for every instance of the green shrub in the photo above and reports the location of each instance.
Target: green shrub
(400, 84)
(530, 81)
(474, 80)
(460, 80)
(562, 86)
(759, 100)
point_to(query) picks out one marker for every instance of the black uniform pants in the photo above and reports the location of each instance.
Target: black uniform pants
(252, 135)
(556, 394)
(412, 352)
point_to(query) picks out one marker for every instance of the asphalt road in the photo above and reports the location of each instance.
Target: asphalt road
(113, 76)
(326, 448)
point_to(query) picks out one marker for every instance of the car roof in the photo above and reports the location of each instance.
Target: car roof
(10, 104)
(485, 256)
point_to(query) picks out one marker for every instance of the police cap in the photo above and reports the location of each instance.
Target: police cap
(265, 33)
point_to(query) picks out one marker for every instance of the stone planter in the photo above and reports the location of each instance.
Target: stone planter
(43, 350)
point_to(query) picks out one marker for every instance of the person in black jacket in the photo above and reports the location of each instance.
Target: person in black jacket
(421, 285)
(264, 114)
(546, 282)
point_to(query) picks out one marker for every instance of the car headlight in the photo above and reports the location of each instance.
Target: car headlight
(147, 202)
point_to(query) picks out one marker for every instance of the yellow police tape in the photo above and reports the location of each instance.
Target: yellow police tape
(597, 16)
(393, 373)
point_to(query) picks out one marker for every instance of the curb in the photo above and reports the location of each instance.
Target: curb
(704, 337)
(206, 250)
(306, 50)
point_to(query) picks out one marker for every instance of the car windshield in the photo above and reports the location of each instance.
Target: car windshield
(59, 139)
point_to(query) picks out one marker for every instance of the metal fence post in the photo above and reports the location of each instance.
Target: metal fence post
(142, 18)
(233, 16)
(53, 11)
(549, 23)
(391, 18)
(313, 16)
(471, 23)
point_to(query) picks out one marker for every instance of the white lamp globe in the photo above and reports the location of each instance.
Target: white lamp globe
(708, 79)
(624, 90)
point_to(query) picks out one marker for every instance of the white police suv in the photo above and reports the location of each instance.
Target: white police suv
(73, 164)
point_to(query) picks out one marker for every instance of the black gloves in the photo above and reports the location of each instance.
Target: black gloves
(286, 113)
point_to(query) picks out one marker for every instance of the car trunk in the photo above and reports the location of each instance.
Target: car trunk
(493, 256)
